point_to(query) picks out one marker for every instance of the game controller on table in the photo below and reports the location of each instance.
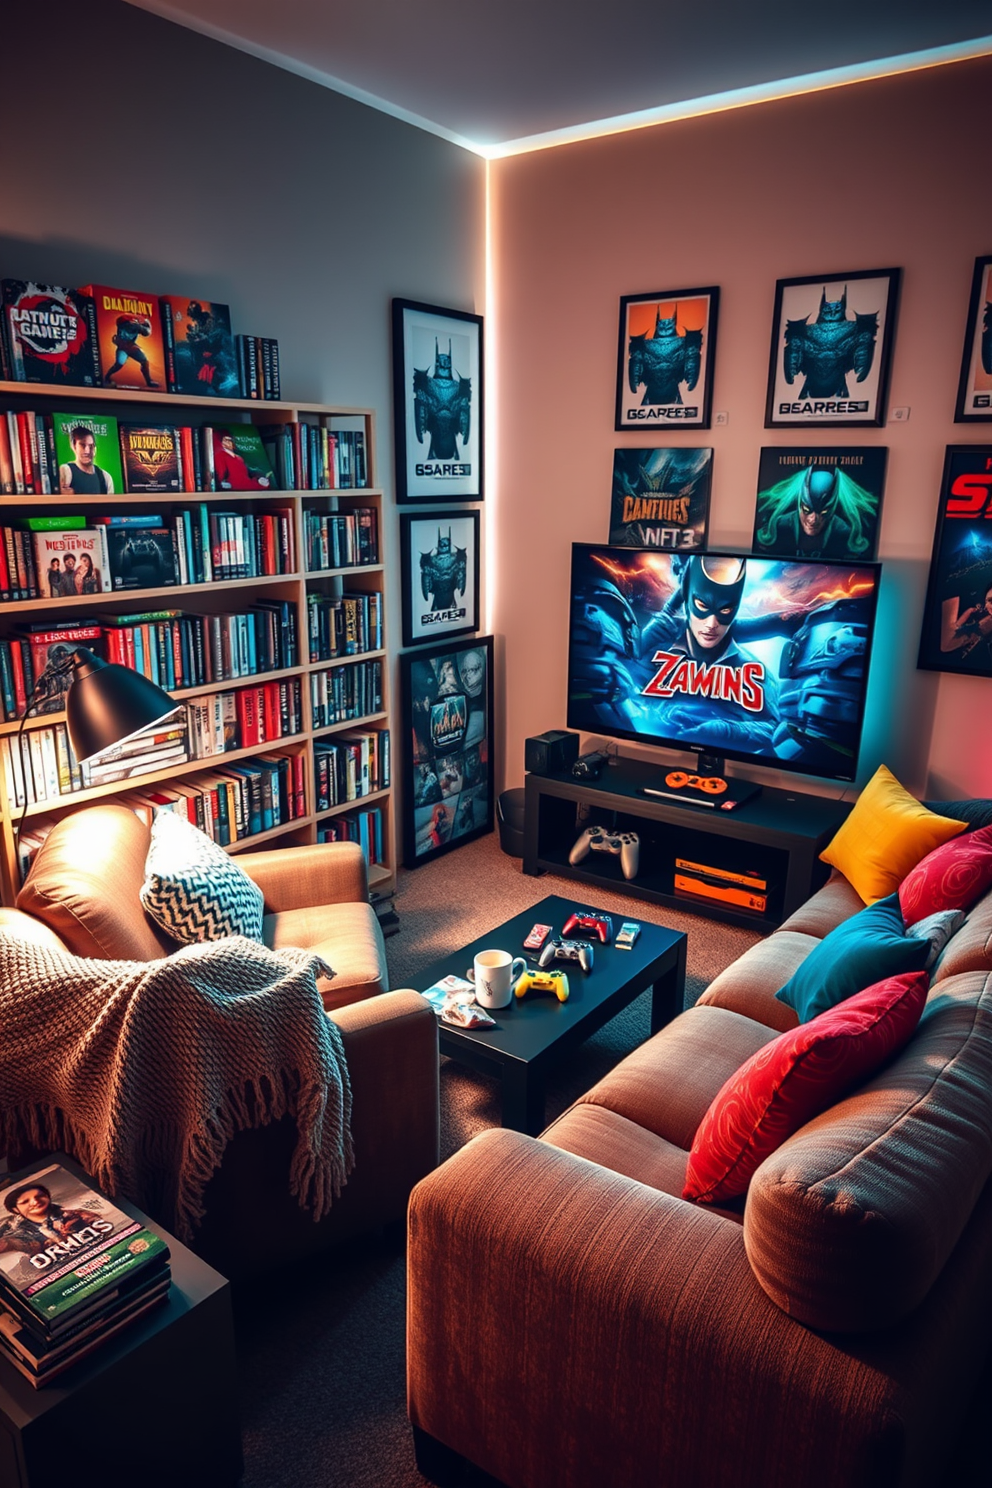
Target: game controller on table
(590, 920)
(555, 982)
(624, 845)
(561, 949)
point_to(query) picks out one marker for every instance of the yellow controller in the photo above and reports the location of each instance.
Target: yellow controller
(543, 981)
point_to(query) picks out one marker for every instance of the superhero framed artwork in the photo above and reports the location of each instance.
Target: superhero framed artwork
(437, 403)
(819, 502)
(831, 349)
(447, 754)
(974, 403)
(665, 359)
(957, 616)
(440, 568)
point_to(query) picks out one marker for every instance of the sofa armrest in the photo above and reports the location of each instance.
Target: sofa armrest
(306, 877)
(619, 1329)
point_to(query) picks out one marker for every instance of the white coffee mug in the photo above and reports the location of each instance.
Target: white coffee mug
(494, 973)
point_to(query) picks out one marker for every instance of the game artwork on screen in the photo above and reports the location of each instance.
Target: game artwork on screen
(754, 658)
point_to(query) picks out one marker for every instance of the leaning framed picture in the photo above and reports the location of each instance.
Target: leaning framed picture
(440, 573)
(957, 616)
(661, 497)
(831, 350)
(447, 699)
(665, 359)
(437, 403)
(816, 502)
(974, 403)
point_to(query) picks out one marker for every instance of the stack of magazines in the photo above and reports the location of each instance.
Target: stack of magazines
(74, 1270)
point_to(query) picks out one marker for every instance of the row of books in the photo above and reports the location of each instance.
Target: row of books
(364, 827)
(343, 625)
(171, 648)
(346, 692)
(311, 457)
(40, 764)
(341, 539)
(350, 765)
(235, 801)
(86, 454)
(197, 545)
(74, 1270)
(179, 650)
(98, 336)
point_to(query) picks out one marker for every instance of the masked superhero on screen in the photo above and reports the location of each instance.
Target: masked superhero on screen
(728, 699)
(662, 361)
(829, 349)
(129, 328)
(442, 406)
(815, 514)
(443, 573)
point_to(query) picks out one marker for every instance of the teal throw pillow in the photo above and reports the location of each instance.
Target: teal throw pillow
(865, 949)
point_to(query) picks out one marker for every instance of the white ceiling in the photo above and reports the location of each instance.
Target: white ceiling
(524, 73)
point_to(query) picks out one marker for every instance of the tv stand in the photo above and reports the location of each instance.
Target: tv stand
(775, 836)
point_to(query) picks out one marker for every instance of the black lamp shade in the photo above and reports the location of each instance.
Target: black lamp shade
(107, 703)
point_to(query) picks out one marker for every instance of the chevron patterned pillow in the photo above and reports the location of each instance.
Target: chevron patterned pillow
(194, 889)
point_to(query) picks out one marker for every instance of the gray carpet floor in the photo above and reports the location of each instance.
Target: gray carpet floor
(322, 1374)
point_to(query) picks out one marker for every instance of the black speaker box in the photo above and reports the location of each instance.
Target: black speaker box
(553, 753)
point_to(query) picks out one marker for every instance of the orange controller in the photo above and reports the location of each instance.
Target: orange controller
(713, 785)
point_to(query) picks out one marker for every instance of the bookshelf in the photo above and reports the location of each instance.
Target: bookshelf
(303, 587)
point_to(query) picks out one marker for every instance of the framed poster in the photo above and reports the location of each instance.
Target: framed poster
(661, 498)
(975, 388)
(819, 503)
(440, 566)
(665, 359)
(957, 616)
(831, 349)
(437, 403)
(447, 697)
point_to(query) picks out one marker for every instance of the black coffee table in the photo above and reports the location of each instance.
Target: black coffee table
(533, 1034)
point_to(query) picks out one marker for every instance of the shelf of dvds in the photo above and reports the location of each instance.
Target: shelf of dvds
(304, 637)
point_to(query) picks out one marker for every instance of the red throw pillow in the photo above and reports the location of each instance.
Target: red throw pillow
(953, 876)
(794, 1078)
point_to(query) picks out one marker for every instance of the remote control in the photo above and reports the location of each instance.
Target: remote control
(538, 935)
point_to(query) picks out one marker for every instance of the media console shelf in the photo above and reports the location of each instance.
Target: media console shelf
(777, 835)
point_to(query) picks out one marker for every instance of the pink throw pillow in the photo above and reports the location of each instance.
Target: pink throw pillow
(794, 1078)
(953, 876)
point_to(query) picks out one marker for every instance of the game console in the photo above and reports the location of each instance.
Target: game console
(560, 949)
(553, 753)
(555, 982)
(624, 845)
(589, 919)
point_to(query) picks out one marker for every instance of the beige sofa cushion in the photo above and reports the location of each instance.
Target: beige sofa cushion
(971, 948)
(849, 1223)
(349, 939)
(826, 909)
(667, 1084)
(748, 986)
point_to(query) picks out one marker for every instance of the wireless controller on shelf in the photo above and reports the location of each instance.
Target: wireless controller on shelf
(624, 845)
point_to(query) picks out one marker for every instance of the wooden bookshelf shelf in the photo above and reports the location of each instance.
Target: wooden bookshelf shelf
(215, 598)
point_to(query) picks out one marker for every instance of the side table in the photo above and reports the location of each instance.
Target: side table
(156, 1404)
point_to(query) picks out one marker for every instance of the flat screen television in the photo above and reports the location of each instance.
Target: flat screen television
(763, 660)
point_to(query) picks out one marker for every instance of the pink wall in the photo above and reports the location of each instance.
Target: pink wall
(875, 175)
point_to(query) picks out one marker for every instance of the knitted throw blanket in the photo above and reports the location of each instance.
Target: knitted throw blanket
(144, 1071)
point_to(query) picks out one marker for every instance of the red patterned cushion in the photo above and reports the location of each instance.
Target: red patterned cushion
(794, 1078)
(953, 876)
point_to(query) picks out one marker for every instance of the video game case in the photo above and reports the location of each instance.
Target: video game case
(749, 880)
(720, 893)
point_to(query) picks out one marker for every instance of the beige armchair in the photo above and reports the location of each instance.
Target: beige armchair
(83, 894)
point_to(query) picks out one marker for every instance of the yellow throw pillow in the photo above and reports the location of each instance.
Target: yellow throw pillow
(886, 835)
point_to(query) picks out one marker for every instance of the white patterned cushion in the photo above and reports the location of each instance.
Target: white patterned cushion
(194, 889)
